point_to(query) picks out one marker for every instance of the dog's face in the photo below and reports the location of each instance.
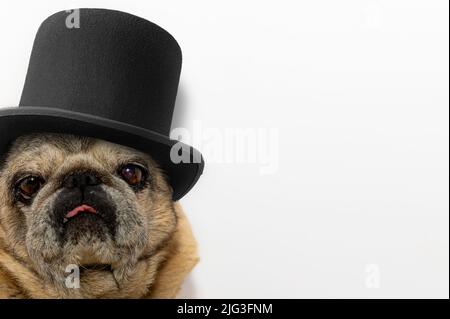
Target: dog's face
(70, 200)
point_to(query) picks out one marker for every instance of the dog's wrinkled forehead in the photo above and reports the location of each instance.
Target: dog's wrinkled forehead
(45, 152)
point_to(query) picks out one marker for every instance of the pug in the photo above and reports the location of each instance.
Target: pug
(85, 218)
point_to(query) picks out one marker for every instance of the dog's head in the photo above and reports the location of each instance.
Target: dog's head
(71, 200)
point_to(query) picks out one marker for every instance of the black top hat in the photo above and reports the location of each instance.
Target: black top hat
(114, 77)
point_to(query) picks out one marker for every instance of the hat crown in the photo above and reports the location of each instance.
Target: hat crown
(113, 65)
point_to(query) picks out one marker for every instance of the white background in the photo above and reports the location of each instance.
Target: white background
(358, 91)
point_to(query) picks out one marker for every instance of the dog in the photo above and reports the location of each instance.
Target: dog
(100, 209)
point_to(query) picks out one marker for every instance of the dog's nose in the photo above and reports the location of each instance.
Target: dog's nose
(81, 180)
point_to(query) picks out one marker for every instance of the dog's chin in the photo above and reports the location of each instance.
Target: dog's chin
(91, 254)
(88, 241)
(85, 229)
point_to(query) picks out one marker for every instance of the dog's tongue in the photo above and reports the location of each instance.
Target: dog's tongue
(80, 209)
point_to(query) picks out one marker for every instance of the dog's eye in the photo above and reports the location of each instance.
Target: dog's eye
(133, 174)
(28, 187)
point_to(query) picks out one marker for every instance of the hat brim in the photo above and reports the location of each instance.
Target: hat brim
(17, 121)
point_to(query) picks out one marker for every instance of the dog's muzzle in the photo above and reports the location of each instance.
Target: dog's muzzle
(83, 208)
